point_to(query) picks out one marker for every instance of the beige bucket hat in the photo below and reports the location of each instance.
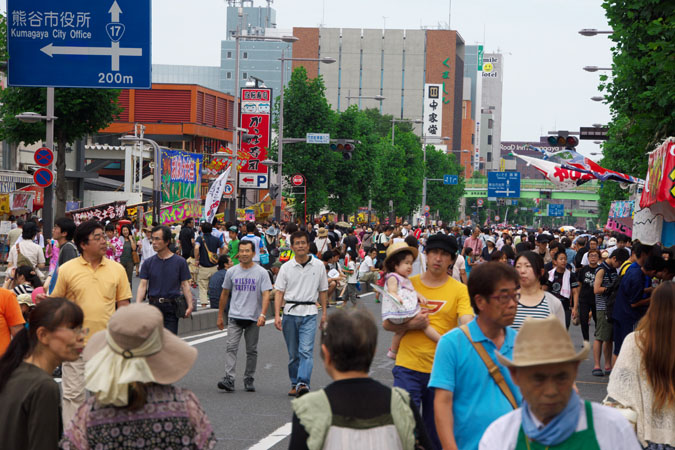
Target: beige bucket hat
(399, 247)
(543, 341)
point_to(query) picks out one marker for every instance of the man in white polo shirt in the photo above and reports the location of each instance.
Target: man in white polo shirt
(299, 283)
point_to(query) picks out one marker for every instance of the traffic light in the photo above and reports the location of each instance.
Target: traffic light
(346, 146)
(274, 191)
(563, 139)
(246, 137)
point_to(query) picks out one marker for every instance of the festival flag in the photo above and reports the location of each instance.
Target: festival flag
(560, 176)
(215, 195)
(571, 159)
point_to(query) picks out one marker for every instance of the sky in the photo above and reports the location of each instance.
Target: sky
(545, 87)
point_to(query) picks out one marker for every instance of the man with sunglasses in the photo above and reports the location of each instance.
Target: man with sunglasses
(97, 285)
(469, 395)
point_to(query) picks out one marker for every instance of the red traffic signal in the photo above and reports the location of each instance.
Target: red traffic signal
(571, 142)
(563, 139)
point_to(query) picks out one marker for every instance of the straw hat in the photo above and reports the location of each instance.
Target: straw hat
(543, 341)
(130, 327)
(323, 232)
(398, 247)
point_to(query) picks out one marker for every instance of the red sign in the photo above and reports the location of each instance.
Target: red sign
(43, 177)
(660, 183)
(297, 180)
(38, 201)
(43, 157)
(256, 106)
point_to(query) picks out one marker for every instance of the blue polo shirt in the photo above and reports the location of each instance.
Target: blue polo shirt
(477, 400)
(631, 290)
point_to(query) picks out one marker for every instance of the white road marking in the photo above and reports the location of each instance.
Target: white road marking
(273, 438)
(195, 336)
(217, 335)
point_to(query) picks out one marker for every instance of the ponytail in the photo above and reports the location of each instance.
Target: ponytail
(16, 352)
(50, 314)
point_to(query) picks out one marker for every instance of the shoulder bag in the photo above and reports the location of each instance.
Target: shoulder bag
(213, 257)
(492, 368)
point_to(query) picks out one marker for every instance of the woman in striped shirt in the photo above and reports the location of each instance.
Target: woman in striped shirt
(534, 301)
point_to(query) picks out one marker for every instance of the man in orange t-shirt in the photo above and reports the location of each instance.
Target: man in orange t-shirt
(448, 306)
(11, 319)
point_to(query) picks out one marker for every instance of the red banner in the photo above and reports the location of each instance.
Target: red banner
(660, 184)
(38, 201)
(256, 107)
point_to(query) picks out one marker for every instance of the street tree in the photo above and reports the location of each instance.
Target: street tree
(441, 197)
(641, 89)
(80, 112)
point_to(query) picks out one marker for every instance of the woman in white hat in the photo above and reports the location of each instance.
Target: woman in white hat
(129, 370)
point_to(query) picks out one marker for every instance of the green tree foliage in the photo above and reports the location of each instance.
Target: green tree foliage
(641, 90)
(80, 112)
(306, 110)
(441, 197)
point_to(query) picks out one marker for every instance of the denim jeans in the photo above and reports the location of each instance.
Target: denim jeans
(299, 333)
(416, 383)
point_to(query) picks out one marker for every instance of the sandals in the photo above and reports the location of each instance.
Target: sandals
(598, 373)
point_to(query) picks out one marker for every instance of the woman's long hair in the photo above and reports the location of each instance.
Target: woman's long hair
(655, 336)
(50, 313)
(30, 275)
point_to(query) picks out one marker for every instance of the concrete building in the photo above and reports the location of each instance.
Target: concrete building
(491, 110)
(395, 64)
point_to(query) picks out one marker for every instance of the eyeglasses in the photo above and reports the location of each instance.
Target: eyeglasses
(78, 331)
(97, 237)
(505, 297)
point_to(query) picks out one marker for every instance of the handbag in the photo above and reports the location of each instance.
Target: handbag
(492, 368)
(181, 306)
(264, 258)
(134, 256)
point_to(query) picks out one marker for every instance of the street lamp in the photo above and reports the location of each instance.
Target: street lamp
(593, 32)
(49, 118)
(595, 68)
(597, 98)
(156, 175)
(280, 153)
(394, 121)
(349, 97)
(424, 168)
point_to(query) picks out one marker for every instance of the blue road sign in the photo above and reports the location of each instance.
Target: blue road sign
(79, 43)
(556, 210)
(450, 179)
(43, 156)
(504, 184)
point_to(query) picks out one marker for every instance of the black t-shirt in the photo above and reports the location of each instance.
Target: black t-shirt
(67, 252)
(351, 243)
(213, 244)
(555, 286)
(187, 234)
(359, 398)
(165, 275)
(586, 277)
(580, 255)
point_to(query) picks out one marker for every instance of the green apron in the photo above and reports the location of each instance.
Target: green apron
(581, 440)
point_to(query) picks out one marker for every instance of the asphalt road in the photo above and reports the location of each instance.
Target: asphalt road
(261, 420)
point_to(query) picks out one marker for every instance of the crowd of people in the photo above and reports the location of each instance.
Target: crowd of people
(479, 318)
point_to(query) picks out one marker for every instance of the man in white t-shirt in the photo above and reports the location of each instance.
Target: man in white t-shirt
(459, 269)
(27, 248)
(367, 271)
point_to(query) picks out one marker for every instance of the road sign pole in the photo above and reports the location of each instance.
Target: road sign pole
(280, 153)
(48, 206)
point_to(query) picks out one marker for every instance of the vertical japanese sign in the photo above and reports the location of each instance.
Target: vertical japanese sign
(181, 175)
(433, 113)
(256, 107)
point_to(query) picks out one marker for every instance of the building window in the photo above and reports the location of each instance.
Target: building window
(244, 76)
(473, 139)
(490, 123)
(464, 110)
(489, 139)
(244, 55)
(489, 157)
(229, 55)
(229, 75)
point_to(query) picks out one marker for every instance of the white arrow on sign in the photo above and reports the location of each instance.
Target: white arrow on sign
(115, 12)
(114, 51)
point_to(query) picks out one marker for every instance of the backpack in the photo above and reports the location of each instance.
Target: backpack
(610, 294)
(21, 259)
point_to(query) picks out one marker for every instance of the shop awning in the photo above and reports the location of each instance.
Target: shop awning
(15, 176)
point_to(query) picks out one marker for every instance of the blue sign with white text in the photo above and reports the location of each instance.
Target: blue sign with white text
(556, 209)
(450, 179)
(79, 43)
(504, 184)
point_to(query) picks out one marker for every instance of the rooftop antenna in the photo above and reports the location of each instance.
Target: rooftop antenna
(269, 12)
(384, 22)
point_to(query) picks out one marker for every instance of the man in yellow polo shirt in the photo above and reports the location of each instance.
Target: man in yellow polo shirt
(448, 305)
(98, 286)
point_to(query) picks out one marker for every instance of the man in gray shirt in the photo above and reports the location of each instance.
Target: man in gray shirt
(250, 287)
